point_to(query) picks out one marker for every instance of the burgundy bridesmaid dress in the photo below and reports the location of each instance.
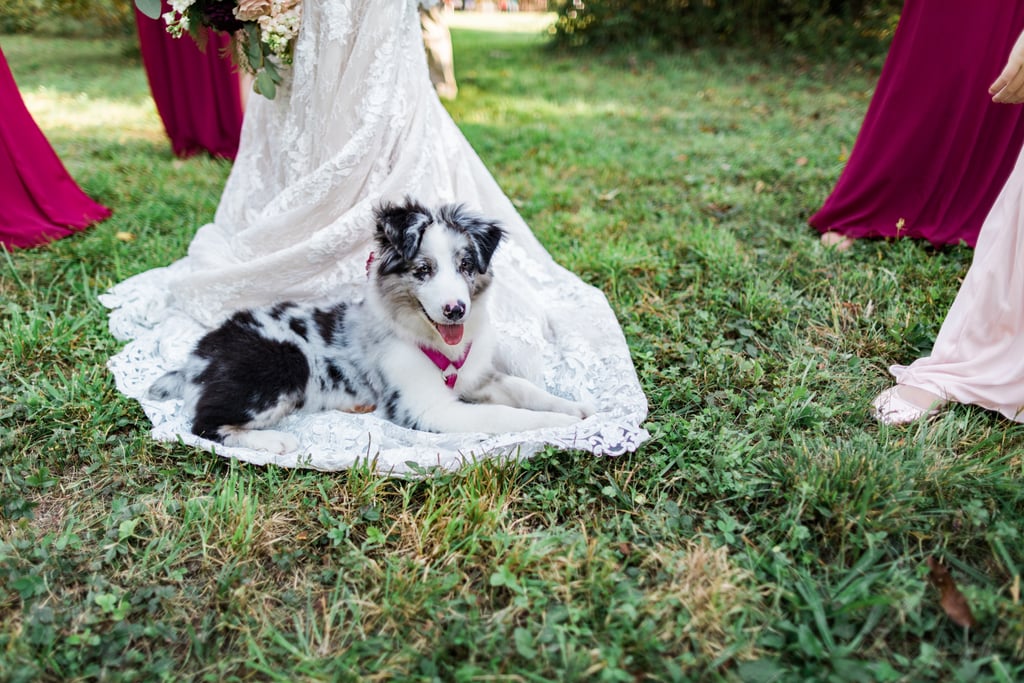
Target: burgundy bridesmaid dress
(196, 91)
(39, 201)
(933, 151)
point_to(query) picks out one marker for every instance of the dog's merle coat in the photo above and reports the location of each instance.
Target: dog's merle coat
(425, 308)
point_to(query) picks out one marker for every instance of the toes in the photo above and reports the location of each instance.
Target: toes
(837, 241)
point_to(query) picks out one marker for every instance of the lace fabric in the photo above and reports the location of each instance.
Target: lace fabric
(356, 123)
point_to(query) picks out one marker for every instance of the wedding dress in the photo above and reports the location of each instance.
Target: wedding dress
(357, 123)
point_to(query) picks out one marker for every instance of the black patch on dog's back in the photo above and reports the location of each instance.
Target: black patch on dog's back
(246, 374)
(339, 378)
(298, 326)
(329, 321)
(278, 311)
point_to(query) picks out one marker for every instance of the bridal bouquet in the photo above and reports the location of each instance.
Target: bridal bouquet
(263, 31)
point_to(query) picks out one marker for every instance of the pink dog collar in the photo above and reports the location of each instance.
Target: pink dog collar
(443, 363)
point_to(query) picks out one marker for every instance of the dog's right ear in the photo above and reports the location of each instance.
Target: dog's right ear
(400, 227)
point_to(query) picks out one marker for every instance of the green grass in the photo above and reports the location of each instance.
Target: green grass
(770, 530)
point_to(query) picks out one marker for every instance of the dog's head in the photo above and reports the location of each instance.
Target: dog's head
(431, 266)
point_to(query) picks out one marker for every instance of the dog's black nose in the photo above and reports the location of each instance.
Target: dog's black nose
(455, 311)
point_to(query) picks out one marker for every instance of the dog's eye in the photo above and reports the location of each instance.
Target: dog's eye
(467, 267)
(422, 271)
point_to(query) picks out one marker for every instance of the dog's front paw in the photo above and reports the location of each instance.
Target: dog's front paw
(579, 410)
(584, 409)
(555, 420)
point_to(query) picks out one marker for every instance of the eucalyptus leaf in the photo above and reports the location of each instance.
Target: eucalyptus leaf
(151, 8)
(253, 45)
(265, 85)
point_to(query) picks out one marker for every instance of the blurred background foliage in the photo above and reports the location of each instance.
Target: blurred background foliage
(813, 26)
(92, 18)
(835, 27)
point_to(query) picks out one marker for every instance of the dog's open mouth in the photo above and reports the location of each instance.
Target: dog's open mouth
(452, 334)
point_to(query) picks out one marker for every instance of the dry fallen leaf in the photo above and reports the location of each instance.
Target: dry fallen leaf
(125, 236)
(952, 600)
(801, 161)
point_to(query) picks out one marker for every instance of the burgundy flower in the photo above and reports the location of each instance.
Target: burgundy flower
(217, 14)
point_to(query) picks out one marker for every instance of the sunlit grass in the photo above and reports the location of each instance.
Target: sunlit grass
(81, 115)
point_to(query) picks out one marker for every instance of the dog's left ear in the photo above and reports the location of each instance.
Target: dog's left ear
(484, 234)
(401, 227)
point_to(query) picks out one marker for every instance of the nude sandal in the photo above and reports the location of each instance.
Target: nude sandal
(891, 408)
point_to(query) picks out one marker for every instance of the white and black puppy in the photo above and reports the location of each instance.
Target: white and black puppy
(418, 349)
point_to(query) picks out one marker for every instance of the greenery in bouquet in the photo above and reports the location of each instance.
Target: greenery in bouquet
(263, 31)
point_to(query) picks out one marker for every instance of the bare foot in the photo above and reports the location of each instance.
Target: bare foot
(837, 241)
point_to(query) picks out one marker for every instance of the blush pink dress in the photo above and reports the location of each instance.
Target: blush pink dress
(39, 200)
(933, 149)
(978, 357)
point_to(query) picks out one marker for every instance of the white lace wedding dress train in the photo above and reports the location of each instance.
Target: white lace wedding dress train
(359, 122)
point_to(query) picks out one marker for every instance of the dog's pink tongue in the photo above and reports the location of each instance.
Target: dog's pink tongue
(452, 334)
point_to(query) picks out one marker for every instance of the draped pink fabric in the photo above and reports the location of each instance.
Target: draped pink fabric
(39, 201)
(933, 150)
(978, 357)
(196, 91)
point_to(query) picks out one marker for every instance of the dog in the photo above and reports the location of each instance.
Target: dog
(417, 349)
